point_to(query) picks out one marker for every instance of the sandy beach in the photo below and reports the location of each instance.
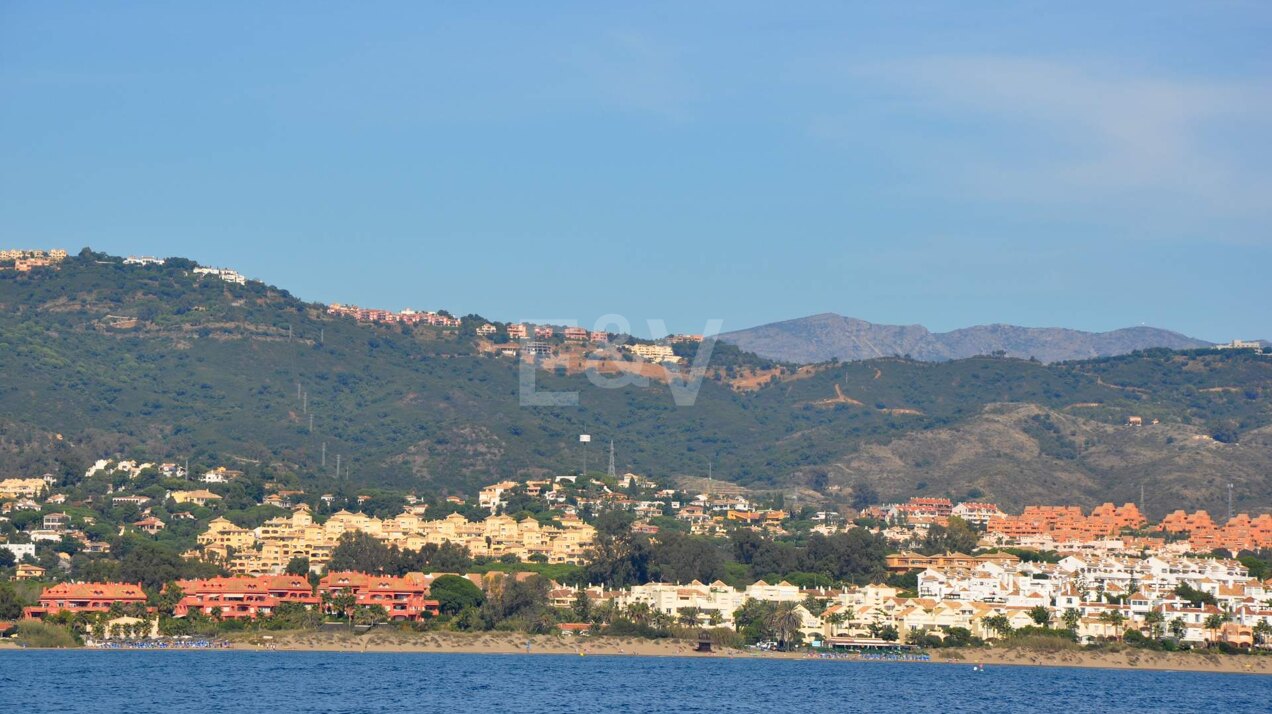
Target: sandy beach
(391, 640)
(387, 640)
(1127, 659)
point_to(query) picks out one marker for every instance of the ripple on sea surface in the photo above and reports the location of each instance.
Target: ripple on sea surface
(143, 682)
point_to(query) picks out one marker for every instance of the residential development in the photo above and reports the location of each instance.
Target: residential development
(1101, 572)
(405, 317)
(269, 548)
(25, 260)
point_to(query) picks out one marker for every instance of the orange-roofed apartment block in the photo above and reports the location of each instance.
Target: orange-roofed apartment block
(403, 598)
(243, 597)
(85, 597)
(1241, 532)
(1068, 523)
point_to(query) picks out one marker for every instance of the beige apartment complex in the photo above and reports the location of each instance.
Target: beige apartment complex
(268, 549)
(22, 487)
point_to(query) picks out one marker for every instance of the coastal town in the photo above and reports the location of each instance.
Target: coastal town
(1099, 575)
(129, 545)
(642, 357)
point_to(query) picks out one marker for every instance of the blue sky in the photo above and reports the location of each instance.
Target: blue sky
(1050, 164)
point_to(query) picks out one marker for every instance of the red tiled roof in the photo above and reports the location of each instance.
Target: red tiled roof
(245, 584)
(79, 591)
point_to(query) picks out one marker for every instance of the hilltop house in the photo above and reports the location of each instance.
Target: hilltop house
(200, 497)
(220, 474)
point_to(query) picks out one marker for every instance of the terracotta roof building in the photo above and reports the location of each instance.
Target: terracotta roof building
(403, 598)
(242, 597)
(85, 597)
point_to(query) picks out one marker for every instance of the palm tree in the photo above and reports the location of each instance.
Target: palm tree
(370, 615)
(850, 618)
(836, 619)
(639, 612)
(1213, 623)
(1072, 618)
(785, 622)
(998, 624)
(1114, 618)
(688, 616)
(339, 603)
(1154, 621)
(1177, 628)
(1262, 632)
(660, 620)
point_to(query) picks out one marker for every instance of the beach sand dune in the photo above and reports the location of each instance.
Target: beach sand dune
(387, 639)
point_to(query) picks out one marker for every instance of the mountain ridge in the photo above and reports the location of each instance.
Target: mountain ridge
(829, 336)
(163, 364)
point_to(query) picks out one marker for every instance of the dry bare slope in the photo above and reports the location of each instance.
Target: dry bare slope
(1017, 454)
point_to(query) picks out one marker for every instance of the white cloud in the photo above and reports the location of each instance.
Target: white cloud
(1025, 129)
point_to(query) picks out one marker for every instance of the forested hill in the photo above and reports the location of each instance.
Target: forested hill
(101, 359)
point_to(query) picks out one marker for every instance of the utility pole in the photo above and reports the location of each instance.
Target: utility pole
(337, 467)
(324, 454)
(311, 423)
(298, 391)
(304, 403)
(612, 472)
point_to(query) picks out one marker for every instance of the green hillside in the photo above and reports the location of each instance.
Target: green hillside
(157, 363)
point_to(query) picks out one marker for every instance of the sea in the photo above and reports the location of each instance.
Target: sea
(227, 682)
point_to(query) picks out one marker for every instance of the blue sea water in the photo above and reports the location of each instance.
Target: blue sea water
(141, 682)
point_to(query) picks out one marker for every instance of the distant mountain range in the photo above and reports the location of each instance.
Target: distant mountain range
(820, 338)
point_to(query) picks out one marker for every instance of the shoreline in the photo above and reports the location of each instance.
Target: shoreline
(1127, 659)
(387, 641)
